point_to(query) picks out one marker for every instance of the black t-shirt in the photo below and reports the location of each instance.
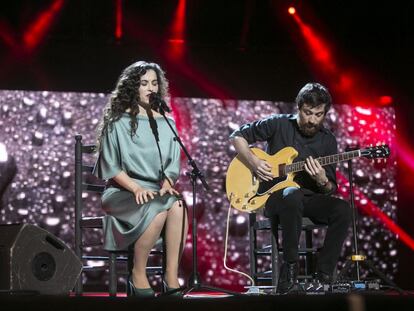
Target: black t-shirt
(280, 131)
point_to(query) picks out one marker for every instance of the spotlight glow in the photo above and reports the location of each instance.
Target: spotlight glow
(118, 19)
(291, 10)
(38, 29)
(385, 100)
(176, 48)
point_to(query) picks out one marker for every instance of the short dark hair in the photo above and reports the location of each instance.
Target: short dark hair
(314, 94)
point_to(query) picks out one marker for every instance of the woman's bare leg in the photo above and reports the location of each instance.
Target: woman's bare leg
(142, 249)
(173, 235)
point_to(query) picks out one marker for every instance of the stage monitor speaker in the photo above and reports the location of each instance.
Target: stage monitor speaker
(32, 259)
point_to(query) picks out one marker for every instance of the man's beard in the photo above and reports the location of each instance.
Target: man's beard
(309, 130)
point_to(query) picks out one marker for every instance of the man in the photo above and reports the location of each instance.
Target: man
(304, 132)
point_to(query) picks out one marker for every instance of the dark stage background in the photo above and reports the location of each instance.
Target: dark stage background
(244, 50)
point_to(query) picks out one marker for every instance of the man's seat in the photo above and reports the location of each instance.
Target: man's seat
(307, 252)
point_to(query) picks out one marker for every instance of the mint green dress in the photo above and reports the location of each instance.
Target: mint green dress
(139, 158)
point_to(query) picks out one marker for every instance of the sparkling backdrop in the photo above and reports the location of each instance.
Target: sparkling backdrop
(38, 128)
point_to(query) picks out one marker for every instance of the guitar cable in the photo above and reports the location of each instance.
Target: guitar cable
(226, 245)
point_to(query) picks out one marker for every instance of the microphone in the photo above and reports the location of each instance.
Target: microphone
(157, 102)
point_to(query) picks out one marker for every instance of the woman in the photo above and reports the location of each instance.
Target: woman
(140, 160)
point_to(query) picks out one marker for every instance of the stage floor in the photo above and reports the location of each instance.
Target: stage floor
(201, 301)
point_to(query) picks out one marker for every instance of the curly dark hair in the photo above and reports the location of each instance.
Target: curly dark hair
(314, 94)
(125, 97)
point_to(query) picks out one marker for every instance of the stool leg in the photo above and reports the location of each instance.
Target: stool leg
(163, 264)
(275, 262)
(274, 224)
(130, 267)
(112, 274)
(309, 254)
(253, 247)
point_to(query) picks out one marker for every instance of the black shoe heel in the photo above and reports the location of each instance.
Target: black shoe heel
(140, 292)
(173, 292)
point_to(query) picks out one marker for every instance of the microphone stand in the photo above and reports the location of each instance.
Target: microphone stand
(357, 259)
(194, 282)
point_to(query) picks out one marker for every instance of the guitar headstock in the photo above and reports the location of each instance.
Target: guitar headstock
(376, 152)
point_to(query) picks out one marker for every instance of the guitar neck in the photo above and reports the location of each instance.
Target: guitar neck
(323, 161)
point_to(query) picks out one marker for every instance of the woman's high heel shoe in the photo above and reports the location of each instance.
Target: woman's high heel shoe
(140, 292)
(175, 292)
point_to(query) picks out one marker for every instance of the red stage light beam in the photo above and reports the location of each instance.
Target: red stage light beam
(405, 152)
(176, 64)
(350, 86)
(199, 79)
(177, 38)
(320, 50)
(118, 19)
(367, 206)
(6, 35)
(178, 26)
(37, 30)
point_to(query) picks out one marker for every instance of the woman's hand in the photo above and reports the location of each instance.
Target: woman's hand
(170, 190)
(142, 195)
(167, 187)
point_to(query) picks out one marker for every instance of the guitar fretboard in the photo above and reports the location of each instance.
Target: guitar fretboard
(331, 159)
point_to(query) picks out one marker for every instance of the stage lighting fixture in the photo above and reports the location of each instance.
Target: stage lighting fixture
(386, 100)
(291, 10)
